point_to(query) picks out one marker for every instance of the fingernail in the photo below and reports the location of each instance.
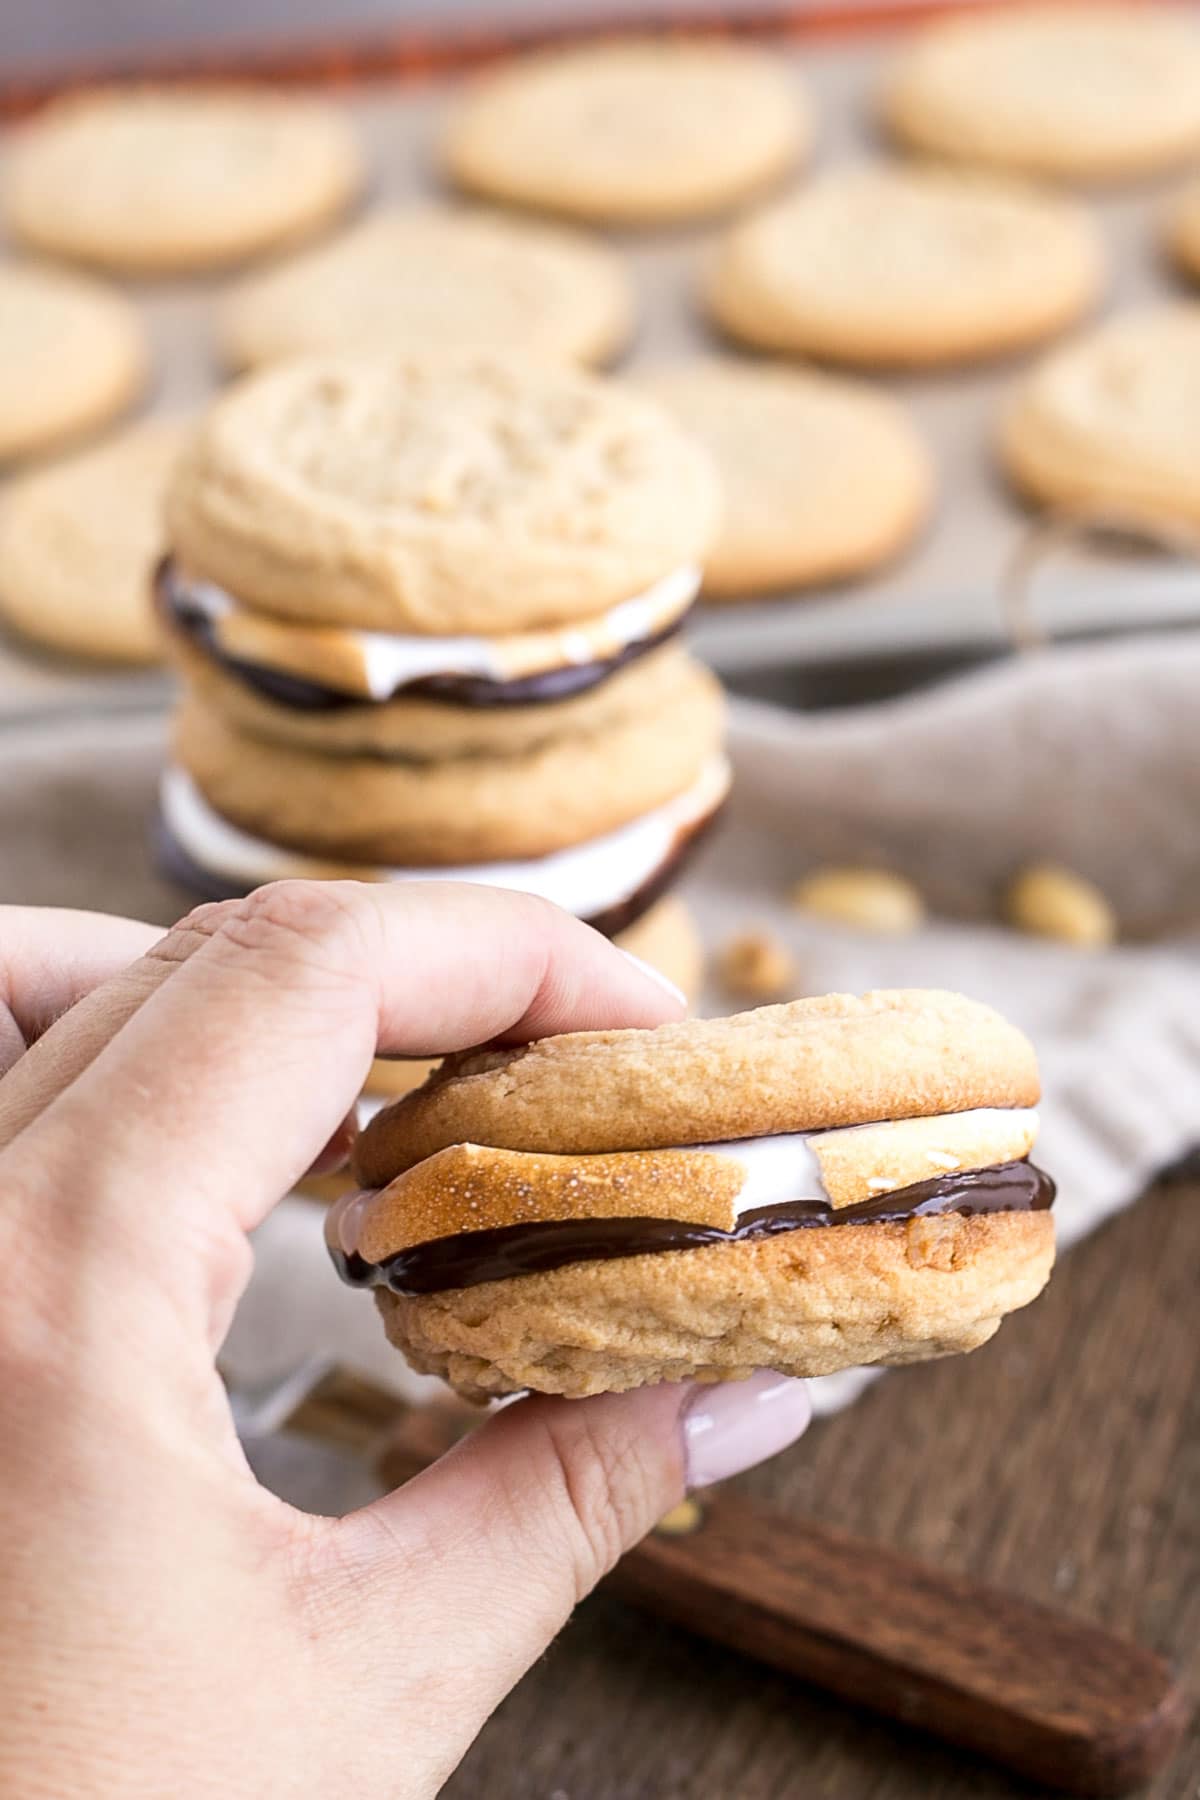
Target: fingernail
(656, 975)
(732, 1425)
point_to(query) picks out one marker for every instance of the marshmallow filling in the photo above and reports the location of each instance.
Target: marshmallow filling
(776, 1170)
(372, 667)
(608, 881)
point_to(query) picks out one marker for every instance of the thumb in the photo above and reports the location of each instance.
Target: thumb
(492, 1547)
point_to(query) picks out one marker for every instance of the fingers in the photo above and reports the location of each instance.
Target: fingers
(249, 1029)
(500, 1540)
(49, 959)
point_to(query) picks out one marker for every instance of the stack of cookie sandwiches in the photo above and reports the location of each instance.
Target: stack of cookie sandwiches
(807, 1187)
(426, 610)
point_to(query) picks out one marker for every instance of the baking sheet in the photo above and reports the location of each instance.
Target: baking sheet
(945, 594)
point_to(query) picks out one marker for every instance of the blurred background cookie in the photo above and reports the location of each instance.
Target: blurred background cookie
(635, 131)
(1079, 92)
(72, 356)
(79, 540)
(152, 180)
(821, 478)
(423, 276)
(892, 265)
(1113, 419)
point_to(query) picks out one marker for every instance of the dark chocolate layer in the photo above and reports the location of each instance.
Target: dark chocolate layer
(473, 691)
(471, 1257)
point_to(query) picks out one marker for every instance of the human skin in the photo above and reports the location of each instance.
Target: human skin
(166, 1625)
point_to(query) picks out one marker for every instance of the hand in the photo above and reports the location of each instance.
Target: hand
(167, 1627)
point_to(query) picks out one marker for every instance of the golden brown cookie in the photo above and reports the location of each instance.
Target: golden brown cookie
(154, 180)
(79, 540)
(1079, 92)
(72, 356)
(465, 809)
(811, 1064)
(1112, 420)
(833, 1300)
(635, 131)
(894, 265)
(426, 277)
(805, 1187)
(821, 478)
(438, 494)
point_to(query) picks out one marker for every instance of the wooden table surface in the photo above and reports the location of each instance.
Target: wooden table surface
(1062, 1459)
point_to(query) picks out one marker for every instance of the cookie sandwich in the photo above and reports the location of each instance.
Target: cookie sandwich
(807, 1187)
(426, 609)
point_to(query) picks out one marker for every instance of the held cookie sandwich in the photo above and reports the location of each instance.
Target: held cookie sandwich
(807, 1187)
(426, 608)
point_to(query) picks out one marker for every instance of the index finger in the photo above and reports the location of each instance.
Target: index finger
(231, 1075)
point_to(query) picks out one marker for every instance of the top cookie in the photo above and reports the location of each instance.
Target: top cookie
(821, 478)
(72, 356)
(633, 131)
(162, 179)
(910, 266)
(420, 277)
(833, 1060)
(1113, 420)
(1076, 92)
(437, 493)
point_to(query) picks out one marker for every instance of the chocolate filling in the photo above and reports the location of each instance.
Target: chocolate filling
(178, 865)
(474, 691)
(470, 1257)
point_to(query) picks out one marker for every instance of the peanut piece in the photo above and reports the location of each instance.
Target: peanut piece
(1053, 902)
(868, 899)
(756, 966)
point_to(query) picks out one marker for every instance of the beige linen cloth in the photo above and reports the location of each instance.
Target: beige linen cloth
(1088, 755)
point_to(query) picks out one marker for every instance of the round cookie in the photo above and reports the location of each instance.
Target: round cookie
(79, 540)
(420, 730)
(160, 180)
(1113, 420)
(72, 356)
(898, 266)
(608, 1253)
(371, 810)
(438, 493)
(1183, 230)
(807, 1065)
(425, 277)
(632, 131)
(1080, 92)
(821, 478)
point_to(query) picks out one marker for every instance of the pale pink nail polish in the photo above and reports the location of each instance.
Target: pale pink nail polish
(735, 1424)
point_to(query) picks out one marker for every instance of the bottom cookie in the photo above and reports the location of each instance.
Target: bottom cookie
(805, 1303)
